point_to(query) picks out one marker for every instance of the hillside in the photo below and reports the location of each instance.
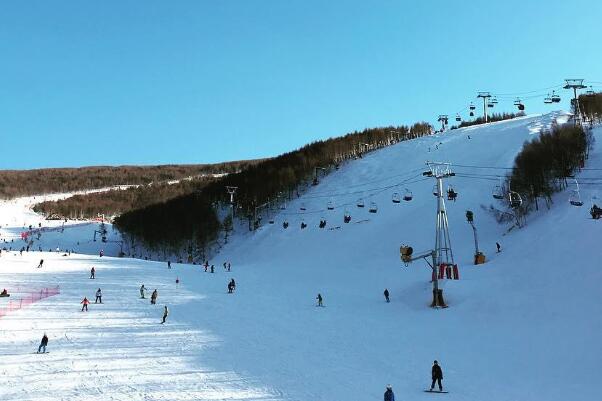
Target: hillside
(522, 326)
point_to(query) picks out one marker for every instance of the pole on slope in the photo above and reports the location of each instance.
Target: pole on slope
(575, 84)
(485, 96)
(231, 191)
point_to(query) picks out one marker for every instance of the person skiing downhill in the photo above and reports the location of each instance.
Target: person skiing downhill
(43, 344)
(92, 273)
(319, 298)
(98, 296)
(386, 294)
(85, 304)
(499, 247)
(41, 263)
(389, 395)
(169, 264)
(165, 313)
(154, 296)
(142, 289)
(437, 375)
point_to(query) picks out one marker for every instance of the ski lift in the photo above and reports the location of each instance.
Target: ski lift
(575, 197)
(285, 224)
(330, 205)
(472, 107)
(494, 100)
(407, 196)
(555, 97)
(458, 118)
(435, 190)
(346, 217)
(303, 208)
(271, 221)
(590, 92)
(490, 104)
(547, 99)
(515, 199)
(395, 198)
(360, 202)
(451, 194)
(471, 114)
(373, 207)
(303, 225)
(322, 222)
(498, 193)
(519, 104)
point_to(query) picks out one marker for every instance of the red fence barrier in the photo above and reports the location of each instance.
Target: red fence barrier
(27, 298)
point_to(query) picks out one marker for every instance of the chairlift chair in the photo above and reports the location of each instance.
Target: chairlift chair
(555, 97)
(373, 207)
(360, 202)
(497, 192)
(451, 194)
(489, 104)
(590, 92)
(435, 190)
(302, 207)
(458, 118)
(346, 217)
(330, 205)
(285, 224)
(472, 107)
(521, 107)
(303, 225)
(407, 196)
(322, 222)
(575, 197)
(471, 114)
(494, 100)
(547, 99)
(395, 198)
(515, 199)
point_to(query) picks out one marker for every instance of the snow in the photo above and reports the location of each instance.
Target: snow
(522, 326)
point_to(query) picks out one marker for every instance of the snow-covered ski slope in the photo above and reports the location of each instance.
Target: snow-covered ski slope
(523, 326)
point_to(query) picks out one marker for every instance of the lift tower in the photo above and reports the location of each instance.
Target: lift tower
(443, 118)
(575, 84)
(231, 191)
(485, 96)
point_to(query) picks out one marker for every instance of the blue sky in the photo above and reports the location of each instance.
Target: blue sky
(156, 82)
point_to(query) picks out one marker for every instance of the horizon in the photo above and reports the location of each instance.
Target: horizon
(116, 84)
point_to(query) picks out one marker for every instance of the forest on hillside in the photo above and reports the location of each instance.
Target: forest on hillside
(15, 183)
(490, 119)
(191, 220)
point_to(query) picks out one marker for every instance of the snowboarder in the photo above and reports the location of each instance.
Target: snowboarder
(165, 313)
(85, 303)
(142, 289)
(43, 344)
(386, 294)
(41, 263)
(319, 298)
(92, 273)
(212, 269)
(437, 375)
(154, 296)
(389, 395)
(98, 296)
(499, 247)
(169, 264)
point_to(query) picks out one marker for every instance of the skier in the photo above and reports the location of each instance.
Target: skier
(165, 313)
(43, 344)
(389, 395)
(177, 281)
(92, 273)
(319, 298)
(499, 247)
(437, 375)
(212, 269)
(206, 265)
(142, 289)
(154, 297)
(230, 287)
(98, 296)
(225, 266)
(41, 263)
(386, 294)
(101, 253)
(85, 303)
(228, 266)
(169, 264)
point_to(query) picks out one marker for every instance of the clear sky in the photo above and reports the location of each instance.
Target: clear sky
(155, 82)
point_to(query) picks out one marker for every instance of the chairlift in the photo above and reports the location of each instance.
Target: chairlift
(322, 223)
(494, 100)
(373, 207)
(490, 105)
(435, 190)
(590, 92)
(303, 225)
(472, 107)
(451, 194)
(330, 205)
(471, 114)
(575, 197)
(396, 198)
(519, 104)
(515, 199)
(285, 224)
(360, 202)
(271, 221)
(555, 97)
(547, 99)
(498, 193)
(458, 118)
(303, 208)
(346, 217)
(407, 196)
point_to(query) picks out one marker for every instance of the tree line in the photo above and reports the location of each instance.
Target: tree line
(191, 220)
(591, 106)
(490, 119)
(14, 183)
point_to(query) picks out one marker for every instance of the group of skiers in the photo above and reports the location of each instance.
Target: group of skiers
(436, 376)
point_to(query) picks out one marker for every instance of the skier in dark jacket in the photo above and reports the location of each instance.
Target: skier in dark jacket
(41, 263)
(43, 344)
(386, 294)
(92, 273)
(389, 395)
(154, 296)
(142, 289)
(165, 313)
(499, 247)
(437, 375)
(319, 298)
